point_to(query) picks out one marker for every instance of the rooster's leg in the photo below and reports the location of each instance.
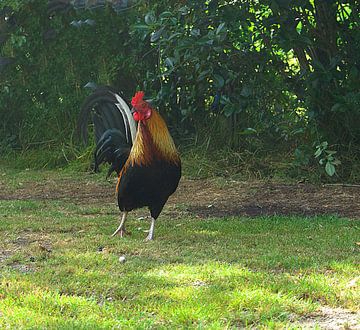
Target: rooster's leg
(150, 236)
(121, 229)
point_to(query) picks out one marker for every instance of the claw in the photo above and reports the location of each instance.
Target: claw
(121, 229)
(121, 232)
(149, 238)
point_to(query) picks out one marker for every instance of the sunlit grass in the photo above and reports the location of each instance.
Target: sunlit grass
(60, 269)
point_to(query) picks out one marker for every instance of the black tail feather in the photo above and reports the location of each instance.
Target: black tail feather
(103, 101)
(112, 149)
(113, 135)
(99, 127)
(113, 116)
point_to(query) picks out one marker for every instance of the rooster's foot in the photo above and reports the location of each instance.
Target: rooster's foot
(122, 232)
(150, 236)
(121, 229)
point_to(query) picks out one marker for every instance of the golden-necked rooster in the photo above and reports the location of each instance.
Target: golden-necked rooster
(144, 157)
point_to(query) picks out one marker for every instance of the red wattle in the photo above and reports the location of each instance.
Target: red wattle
(136, 116)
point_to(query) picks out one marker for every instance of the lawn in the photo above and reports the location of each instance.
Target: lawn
(60, 269)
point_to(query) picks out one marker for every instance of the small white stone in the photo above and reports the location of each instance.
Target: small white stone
(122, 259)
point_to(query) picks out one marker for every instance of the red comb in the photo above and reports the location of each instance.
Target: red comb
(138, 98)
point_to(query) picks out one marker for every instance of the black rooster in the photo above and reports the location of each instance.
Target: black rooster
(144, 157)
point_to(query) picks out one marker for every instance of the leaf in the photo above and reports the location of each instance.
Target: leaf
(298, 131)
(195, 32)
(184, 10)
(317, 152)
(150, 18)
(156, 35)
(90, 22)
(220, 28)
(202, 75)
(219, 81)
(324, 144)
(169, 62)
(248, 131)
(141, 27)
(246, 91)
(224, 99)
(165, 14)
(174, 35)
(229, 110)
(336, 162)
(330, 169)
(219, 49)
(337, 107)
(330, 152)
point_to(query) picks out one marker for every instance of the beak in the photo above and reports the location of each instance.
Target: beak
(133, 110)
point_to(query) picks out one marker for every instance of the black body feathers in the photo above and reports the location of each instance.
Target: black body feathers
(149, 185)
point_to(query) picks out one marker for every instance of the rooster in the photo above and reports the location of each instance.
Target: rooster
(138, 146)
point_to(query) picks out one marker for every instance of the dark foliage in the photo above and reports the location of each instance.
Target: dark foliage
(252, 73)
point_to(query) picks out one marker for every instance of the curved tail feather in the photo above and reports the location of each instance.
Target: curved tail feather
(110, 109)
(114, 127)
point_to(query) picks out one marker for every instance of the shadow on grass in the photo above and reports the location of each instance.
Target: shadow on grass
(198, 272)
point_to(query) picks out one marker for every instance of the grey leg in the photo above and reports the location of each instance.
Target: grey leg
(150, 236)
(121, 229)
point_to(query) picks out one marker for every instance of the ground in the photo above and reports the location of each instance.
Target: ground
(209, 198)
(306, 288)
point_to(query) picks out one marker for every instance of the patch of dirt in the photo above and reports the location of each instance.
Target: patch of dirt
(234, 198)
(79, 191)
(332, 319)
(209, 198)
(29, 246)
(22, 268)
(4, 255)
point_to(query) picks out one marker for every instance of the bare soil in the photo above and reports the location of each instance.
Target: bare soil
(208, 198)
(332, 319)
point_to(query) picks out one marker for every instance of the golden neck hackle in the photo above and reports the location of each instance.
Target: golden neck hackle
(153, 142)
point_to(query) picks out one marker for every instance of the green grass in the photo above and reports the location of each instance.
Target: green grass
(214, 273)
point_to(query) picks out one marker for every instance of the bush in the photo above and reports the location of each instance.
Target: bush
(250, 73)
